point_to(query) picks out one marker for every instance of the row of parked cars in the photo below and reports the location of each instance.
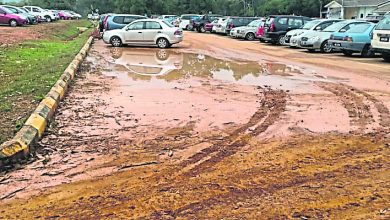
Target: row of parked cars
(18, 16)
(364, 37)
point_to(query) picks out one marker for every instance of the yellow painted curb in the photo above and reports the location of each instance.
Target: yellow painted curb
(38, 122)
(13, 147)
(49, 102)
(59, 90)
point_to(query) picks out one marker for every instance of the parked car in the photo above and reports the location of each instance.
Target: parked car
(74, 15)
(184, 20)
(374, 18)
(31, 18)
(277, 26)
(55, 12)
(381, 38)
(145, 32)
(246, 32)
(199, 25)
(217, 24)
(233, 22)
(355, 40)
(318, 40)
(209, 26)
(169, 18)
(9, 18)
(44, 14)
(64, 15)
(119, 21)
(95, 16)
(260, 31)
(293, 37)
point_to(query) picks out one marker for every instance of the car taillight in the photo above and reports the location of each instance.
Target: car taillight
(231, 25)
(272, 27)
(178, 32)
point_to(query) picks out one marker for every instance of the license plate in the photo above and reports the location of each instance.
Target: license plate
(303, 43)
(384, 39)
(337, 44)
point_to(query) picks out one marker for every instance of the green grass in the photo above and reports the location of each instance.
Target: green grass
(28, 70)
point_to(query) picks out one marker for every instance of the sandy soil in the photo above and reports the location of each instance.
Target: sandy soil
(210, 131)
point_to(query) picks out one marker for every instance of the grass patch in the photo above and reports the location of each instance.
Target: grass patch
(29, 70)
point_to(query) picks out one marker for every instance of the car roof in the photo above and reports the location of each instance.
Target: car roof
(126, 15)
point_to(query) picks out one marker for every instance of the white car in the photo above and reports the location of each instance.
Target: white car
(381, 38)
(220, 25)
(145, 32)
(293, 37)
(184, 20)
(42, 13)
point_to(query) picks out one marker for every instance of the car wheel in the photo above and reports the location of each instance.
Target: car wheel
(202, 29)
(386, 56)
(162, 43)
(281, 40)
(347, 53)
(13, 23)
(162, 55)
(116, 41)
(367, 51)
(262, 41)
(48, 18)
(250, 36)
(325, 47)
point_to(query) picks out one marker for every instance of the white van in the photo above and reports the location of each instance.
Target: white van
(381, 38)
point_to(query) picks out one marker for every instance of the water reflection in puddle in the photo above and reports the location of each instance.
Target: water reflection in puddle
(168, 66)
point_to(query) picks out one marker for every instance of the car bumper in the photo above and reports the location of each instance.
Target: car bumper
(295, 41)
(220, 30)
(343, 45)
(310, 44)
(380, 50)
(176, 39)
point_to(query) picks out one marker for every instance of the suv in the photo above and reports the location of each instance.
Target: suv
(381, 38)
(119, 21)
(199, 25)
(44, 14)
(277, 26)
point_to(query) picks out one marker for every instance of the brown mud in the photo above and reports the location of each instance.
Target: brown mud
(205, 132)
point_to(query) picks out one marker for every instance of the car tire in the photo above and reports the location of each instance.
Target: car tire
(162, 43)
(281, 40)
(261, 40)
(116, 41)
(250, 36)
(48, 19)
(347, 53)
(13, 23)
(386, 56)
(325, 47)
(162, 55)
(202, 29)
(367, 51)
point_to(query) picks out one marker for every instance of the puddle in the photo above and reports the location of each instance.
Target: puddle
(166, 67)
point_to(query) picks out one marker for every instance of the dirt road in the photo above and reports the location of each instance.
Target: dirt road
(213, 128)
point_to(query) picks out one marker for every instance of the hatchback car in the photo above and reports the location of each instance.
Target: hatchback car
(9, 18)
(355, 40)
(31, 18)
(381, 38)
(277, 26)
(119, 21)
(318, 40)
(293, 37)
(246, 32)
(44, 14)
(145, 32)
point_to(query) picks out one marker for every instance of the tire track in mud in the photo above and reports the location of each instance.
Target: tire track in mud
(272, 105)
(355, 102)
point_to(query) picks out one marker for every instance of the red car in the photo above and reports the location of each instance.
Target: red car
(260, 32)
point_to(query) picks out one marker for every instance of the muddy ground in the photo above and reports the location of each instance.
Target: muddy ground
(213, 128)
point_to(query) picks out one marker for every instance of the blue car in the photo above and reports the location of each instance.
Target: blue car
(118, 21)
(355, 40)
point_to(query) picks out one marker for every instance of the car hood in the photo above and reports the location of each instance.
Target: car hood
(321, 34)
(296, 32)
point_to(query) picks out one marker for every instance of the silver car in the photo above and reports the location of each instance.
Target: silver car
(246, 32)
(145, 32)
(318, 40)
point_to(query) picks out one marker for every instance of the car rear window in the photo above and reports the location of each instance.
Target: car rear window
(361, 28)
(269, 21)
(168, 24)
(335, 27)
(384, 24)
(118, 19)
(282, 21)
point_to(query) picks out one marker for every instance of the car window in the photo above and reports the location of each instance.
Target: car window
(36, 10)
(282, 21)
(1, 11)
(347, 27)
(136, 26)
(311, 24)
(168, 24)
(361, 28)
(152, 25)
(269, 21)
(13, 10)
(295, 22)
(384, 24)
(128, 19)
(324, 25)
(118, 19)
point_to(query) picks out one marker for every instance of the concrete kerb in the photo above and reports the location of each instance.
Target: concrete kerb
(34, 128)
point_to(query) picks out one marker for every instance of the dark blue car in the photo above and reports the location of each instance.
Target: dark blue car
(118, 21)
(355, 40)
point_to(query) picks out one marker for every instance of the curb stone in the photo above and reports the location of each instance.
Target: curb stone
(34, 128)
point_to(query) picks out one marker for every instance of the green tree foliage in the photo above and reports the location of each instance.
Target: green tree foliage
(225, 7)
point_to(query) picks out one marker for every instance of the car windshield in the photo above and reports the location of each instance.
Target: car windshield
(384, 24)
(13, 10)
(255, 23)
(6, 10)
(335, 27)
(309, 25)
(23, 9)
(168, 24)
(361, 28)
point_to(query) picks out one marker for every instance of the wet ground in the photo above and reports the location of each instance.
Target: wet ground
(201, 131)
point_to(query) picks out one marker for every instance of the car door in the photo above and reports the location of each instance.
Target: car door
(3, 17)
(135, 33)
(152, 28)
